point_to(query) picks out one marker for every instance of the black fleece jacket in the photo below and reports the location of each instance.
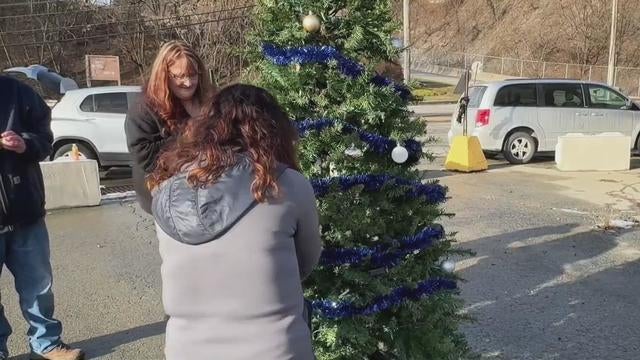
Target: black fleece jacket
(146, 136)
(24, 112)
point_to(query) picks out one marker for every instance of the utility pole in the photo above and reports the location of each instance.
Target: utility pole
(406, 8)
(611, 71)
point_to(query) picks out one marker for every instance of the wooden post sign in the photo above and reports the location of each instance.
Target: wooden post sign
(102, 67)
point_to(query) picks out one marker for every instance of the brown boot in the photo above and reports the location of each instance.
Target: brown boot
(61, 352)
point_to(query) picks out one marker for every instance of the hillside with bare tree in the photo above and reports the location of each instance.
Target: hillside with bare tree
(58, 34)
(574, 31)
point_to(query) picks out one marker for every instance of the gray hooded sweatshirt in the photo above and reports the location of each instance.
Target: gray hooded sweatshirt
(232, 268)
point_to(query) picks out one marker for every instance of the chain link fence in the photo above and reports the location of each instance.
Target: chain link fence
(626, 78)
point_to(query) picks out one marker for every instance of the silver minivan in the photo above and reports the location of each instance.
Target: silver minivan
(519, 118)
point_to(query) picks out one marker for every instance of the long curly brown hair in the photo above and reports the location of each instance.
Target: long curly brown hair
(240, 119)
(157, 94)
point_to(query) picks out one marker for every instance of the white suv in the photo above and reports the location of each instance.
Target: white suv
(521, 117)
(93, 118)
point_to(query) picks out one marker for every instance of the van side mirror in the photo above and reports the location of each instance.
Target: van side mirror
(628, 105)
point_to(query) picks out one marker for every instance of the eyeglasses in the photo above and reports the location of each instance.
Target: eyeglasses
(183, 77)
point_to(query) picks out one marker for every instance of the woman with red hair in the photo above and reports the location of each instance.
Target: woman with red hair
(238, 231)
(174, 93)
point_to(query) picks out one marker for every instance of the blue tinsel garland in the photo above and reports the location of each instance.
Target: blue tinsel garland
(307, 125)
(323, 55)
(377, 143)
(402, 90)
(381, 255)
(312, 55)
(432, 193)
(345, 309)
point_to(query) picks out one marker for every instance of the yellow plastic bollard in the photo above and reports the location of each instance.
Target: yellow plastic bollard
(466, 155)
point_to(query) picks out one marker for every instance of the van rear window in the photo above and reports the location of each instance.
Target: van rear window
(517, 95)
(475, 95)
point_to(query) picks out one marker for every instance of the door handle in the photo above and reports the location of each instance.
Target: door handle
(597, 114)
(582, 114)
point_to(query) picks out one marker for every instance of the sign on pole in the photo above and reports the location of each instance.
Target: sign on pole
(102, 67)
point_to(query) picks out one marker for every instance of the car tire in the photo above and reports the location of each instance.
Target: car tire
(520, 148)
(65, 151)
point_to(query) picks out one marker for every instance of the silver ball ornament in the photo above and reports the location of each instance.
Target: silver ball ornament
(353, 151)
(448, 266)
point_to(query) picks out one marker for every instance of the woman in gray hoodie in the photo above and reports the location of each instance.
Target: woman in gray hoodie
(238, 231)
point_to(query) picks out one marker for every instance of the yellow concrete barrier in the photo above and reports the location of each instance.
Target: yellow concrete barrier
(466, 155)
(71, 183)
(601, 152)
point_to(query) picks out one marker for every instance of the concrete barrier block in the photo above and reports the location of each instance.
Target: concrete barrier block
(600, 152)
(71, 183)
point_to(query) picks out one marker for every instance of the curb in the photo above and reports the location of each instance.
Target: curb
(430, 119)
(445, 117)
(118, 197)
(434, 102)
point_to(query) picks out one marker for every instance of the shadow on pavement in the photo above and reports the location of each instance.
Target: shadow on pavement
(106, 344)
(555, 284)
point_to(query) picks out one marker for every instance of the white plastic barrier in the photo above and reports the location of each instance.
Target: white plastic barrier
(70, 183)
(601, 152)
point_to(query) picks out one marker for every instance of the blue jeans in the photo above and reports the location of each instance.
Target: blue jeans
(25, 252)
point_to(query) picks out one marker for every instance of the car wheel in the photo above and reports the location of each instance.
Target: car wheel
(520, 148)
(64, 151)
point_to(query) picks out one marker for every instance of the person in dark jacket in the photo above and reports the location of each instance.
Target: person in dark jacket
(238, 231)
(26, 139)
(176, 88)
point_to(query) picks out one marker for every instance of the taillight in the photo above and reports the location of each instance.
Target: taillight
(482, 117)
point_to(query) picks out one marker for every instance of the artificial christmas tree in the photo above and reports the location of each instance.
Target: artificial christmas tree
(384, 288)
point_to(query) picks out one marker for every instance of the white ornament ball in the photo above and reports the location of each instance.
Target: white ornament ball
(399, 154)
(448, 266)
(311, 23)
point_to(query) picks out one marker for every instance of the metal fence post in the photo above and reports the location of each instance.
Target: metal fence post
(544, 68)
(502, 66)
(566, 71)
(590, 70)
(521, 68)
